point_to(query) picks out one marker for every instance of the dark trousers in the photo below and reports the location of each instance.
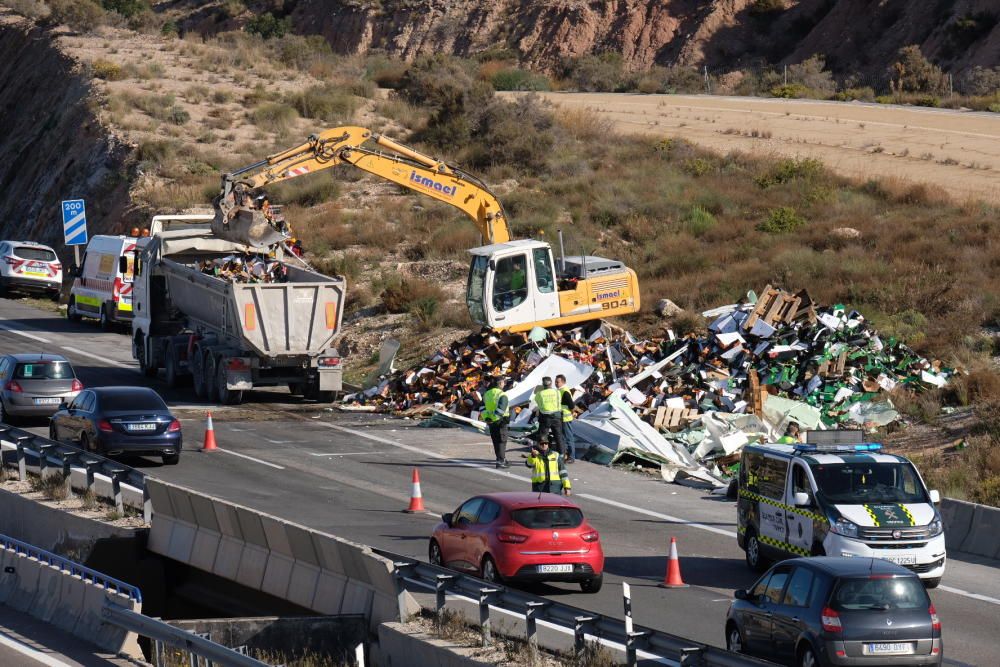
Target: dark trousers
(498, 433)
(550, 429)
(570, 438)
(553, 486)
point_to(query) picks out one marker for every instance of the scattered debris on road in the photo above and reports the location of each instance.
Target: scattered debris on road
(684, 401)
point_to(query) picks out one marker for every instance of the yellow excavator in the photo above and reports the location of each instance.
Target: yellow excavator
(513, 284)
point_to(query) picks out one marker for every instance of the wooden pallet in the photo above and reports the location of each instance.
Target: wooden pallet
(756, 400)
(673, 417)
(773, 306)
(833, 367)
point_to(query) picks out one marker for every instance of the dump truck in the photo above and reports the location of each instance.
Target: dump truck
(231, 336)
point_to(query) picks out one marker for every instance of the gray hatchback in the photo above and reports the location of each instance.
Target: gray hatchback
(836, 611)
(34, 385)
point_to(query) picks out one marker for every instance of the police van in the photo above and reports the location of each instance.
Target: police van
(837, 500)
(102, 284)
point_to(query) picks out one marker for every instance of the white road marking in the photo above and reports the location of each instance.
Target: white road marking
(110, 362)
(249, 458)
(974, 596)
(657, 515)
(19, 332)
(37, 656)
(374, 451)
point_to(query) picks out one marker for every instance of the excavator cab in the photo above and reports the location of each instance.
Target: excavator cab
(517, 286)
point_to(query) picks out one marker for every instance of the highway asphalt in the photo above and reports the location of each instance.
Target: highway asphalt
(349, 474)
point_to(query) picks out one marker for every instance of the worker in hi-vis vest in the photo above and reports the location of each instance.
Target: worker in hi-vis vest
(549, 407)
(548, 470)
(791, 436)
(566, 403)
(496, 414)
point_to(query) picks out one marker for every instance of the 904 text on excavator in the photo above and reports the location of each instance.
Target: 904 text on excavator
(512, 284)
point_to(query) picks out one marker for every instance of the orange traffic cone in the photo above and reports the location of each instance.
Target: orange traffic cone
(416, 499)
(209, 445)
(673, 576)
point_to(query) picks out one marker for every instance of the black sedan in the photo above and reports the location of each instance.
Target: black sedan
(119, 420)
(836, 611)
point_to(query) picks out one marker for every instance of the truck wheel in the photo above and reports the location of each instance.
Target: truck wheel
(139, 353)
(171, 366)
(210, 367)
(198, 374)
(295, 388)
(71, 313)
(227, 396)
(325, 396)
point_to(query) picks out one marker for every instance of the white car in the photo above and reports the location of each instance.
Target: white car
(30, 267)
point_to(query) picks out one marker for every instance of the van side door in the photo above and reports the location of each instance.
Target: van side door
(800, 519)
(772, 481)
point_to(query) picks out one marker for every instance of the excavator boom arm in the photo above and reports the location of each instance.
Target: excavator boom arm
(402, 165)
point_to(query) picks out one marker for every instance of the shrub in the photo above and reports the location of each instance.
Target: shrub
(127, 8)
(325, 102)
(597, 73)
(169, 29)
(178, 115)
(107, 70)
(980, 81)
(780, 220)
(384, 72)
(400, 296)
(789, 91)
(519, 79)
(273, 116)
(699, 221)
(83, 15)
(785, 171)
(914, 73)
(864, 94)
(268, 26)
(516, 133)
(443, 85)
(813, 75)
(697, 166)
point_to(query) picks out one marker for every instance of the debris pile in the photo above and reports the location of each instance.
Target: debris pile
(246, 268)
(762, 364)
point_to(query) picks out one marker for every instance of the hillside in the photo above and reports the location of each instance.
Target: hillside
(855, 36)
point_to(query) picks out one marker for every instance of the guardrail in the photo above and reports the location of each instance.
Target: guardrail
(104, 477)
(641, 643)
(71, 567)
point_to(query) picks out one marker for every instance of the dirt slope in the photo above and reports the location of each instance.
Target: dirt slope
(53, 147)
(958, 151)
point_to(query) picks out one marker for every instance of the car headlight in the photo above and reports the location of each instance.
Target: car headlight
(935, 528)
(844, 527)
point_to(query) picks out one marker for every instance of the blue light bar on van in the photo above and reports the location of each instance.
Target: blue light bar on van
(867, 447)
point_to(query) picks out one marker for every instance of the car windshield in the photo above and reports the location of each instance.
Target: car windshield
(43, 254)
(136, 401)
(881, 593)
(44, 370)
(868, 482)
(548, 517)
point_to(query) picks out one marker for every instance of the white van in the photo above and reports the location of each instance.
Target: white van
(102, 284)
(838, 500)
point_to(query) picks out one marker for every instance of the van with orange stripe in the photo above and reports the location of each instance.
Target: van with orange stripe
(102, 284)
(229, 337)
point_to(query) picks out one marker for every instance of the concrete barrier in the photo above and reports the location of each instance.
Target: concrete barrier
(317, 571)
(957, 518)
(984, 533)
(65, 600)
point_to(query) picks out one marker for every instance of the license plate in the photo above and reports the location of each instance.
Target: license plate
(901, 648)
(41, 274)
(554, 569)
(901, 559)
(48, 401)
(140, 427)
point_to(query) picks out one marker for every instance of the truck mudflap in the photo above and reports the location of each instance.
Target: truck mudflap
(331, 380)
(239, 374)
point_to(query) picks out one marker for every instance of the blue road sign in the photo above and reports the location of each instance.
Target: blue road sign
(74, 222)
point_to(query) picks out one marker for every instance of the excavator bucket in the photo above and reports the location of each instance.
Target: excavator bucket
(249, 227)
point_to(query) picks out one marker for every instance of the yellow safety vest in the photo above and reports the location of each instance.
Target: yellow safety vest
(491, 399)
(548, 464)
(548, 401)
(787, 440)
(567, 413)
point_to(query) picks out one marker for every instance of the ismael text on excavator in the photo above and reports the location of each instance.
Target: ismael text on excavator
(513, 284)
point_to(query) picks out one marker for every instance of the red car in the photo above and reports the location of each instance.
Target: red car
(520, 537)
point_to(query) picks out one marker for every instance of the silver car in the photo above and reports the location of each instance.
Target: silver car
(34, 385)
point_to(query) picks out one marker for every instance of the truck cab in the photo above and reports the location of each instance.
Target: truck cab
(838, 500)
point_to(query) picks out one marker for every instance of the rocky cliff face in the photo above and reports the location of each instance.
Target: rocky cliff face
(855, 35)
(52, 146)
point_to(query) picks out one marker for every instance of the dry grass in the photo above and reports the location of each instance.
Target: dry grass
(52, 487)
